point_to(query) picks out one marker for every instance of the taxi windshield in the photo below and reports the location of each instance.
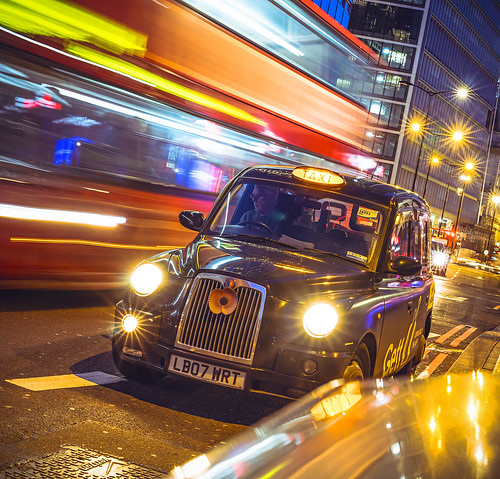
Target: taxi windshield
(300, 217)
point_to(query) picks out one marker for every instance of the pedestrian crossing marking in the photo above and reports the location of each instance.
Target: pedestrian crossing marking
(64, 381)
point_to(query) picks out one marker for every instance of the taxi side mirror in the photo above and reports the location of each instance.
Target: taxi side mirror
(405, 266)
(192, 220)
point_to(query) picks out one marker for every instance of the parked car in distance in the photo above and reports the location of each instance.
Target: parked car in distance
(296, 277)
(440, 258)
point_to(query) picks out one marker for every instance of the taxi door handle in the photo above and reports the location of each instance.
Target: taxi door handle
(410, 307)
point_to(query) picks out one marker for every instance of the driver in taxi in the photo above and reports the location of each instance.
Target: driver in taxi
(264, 200)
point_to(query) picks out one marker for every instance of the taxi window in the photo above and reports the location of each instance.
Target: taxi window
(301, 217)
(402, 235)
(411, 236)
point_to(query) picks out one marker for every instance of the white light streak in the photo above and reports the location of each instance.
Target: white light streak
(60, 216)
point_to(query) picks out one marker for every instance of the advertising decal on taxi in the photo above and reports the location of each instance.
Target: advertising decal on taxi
(395, 356)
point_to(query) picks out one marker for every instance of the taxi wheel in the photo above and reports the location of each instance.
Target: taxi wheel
(359, 367)
(133, 371)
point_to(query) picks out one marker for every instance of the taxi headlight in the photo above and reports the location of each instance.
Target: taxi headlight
(146, 278)
(320, 320)
(439, 259)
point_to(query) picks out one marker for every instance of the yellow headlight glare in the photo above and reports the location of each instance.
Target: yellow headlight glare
(146, 278)
(320, 320)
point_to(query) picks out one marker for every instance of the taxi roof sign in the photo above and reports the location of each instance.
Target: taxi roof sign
(318, 175)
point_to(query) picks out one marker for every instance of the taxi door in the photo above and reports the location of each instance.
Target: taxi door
(405, 303)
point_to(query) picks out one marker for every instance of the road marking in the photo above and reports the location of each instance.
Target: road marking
(497, 306)
(66, 381)
(451, 332)
(432, 366)
(465, 335)
(460, 299)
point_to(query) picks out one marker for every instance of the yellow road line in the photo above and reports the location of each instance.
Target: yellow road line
(451, 332)
(458, 340)
(432, 366)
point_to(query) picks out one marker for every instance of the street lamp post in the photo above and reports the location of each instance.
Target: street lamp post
(431, 94)
(465, 179)
(432, 159)
(445, 198)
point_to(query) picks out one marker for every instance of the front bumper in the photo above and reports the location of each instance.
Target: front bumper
(286, 378)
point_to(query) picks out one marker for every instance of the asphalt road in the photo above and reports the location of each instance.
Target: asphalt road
(52, 339)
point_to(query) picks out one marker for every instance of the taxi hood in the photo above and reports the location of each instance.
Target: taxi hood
(284, 270)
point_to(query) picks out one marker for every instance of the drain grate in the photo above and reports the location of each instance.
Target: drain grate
(73, 462)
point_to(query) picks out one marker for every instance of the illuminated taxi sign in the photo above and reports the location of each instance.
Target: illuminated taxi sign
(318, 175)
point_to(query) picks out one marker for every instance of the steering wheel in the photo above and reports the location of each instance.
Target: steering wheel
(259, 224)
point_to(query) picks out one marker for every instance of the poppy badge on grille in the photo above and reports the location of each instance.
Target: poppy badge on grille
(223, 301)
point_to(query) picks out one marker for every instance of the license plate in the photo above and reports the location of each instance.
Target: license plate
(207, 372)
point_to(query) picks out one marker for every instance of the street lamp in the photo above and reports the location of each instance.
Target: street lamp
(461, 93)
(435, 160)
(445, 197)
(467, 166)
(465, 178)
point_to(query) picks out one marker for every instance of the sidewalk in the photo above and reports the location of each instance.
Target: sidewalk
(483, 353)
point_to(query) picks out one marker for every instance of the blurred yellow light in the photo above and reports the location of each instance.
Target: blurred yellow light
(496, 199)
(415, 126)
(432, 424)
(469, 166)
(157, 81)
(462, 92)
(435, 159)
(59, 19)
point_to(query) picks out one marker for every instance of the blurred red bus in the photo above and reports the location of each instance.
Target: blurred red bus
(132, 114)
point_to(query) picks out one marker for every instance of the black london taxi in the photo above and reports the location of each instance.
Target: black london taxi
(297, 276)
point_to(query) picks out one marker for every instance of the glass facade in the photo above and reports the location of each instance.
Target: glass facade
(436, 46)
(340, 10)
(385, 21)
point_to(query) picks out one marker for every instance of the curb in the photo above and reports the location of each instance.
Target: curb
(482, 354)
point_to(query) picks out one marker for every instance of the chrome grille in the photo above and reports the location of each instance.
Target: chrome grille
(233, 336)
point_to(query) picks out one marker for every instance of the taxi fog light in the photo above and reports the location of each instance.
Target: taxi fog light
(320, 320)
(146, 278)
(309, 366)
(136, 353)
(129, 323)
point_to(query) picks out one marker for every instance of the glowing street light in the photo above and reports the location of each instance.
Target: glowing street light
(456, 136)
(460, 93)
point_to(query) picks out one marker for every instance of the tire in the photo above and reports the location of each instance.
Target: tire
(359, 368)
(131, 370)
